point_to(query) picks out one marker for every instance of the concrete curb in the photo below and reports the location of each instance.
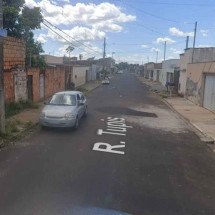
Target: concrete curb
(95, 88)
(198, 131)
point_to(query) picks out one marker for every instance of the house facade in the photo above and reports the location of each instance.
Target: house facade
(157, 71)
(170, 72)
(79, 75)
(200, 86)
(200, 55)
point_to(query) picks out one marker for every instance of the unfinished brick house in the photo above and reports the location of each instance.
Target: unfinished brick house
(22, 83)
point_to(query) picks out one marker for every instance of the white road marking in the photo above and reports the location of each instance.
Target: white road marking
(114, 126)
(101, 132)
(108, 148)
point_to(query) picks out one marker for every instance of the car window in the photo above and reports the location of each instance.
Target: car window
(78, 97)
(63, 99)
(82, 97)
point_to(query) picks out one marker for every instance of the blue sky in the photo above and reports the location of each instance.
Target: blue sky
(135, 30)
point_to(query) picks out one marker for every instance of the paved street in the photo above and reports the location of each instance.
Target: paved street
(131, 155)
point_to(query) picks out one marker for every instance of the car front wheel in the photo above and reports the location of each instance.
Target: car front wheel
(76, 123)
(85, 112)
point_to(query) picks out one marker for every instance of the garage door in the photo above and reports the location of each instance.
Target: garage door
(209, 94)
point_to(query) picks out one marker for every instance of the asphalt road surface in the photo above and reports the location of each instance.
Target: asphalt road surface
(131, 155)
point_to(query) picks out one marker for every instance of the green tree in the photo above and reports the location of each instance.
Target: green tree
(69, 49)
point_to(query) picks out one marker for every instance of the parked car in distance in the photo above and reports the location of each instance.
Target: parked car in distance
(106, 81)
(120, 72)
(65, 109)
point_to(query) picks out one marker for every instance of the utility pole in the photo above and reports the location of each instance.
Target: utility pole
(2, 103)
(194, 41)
(156, 56)
(104, 50)
(187, 42)
(104, 55)
(164, 51)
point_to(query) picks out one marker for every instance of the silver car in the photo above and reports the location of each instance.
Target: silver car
(65, 109)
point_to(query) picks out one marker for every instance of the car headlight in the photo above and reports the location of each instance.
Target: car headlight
(42, 115)
(69, 115)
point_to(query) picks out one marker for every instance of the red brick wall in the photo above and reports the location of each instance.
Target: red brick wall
(54, 80)
(9, 87)
(14, 52)
(14, 55)
(35, 72)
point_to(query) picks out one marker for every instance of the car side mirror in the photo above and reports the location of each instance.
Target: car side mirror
(80, 103)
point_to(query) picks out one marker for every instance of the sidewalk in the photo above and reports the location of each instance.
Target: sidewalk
(155, 86)
(202, 119)
(199, 117)
(27, 119)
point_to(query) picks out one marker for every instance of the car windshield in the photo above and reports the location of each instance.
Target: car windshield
(63, 99)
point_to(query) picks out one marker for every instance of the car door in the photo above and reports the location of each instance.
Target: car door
(83, 100)
(80, 107)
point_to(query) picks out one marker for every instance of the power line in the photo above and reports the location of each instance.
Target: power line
(148, 28)
(71, 36)
(66, 39)
(153, 15)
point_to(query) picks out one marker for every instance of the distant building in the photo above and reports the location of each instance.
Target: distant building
(152, 71)
(170, 72)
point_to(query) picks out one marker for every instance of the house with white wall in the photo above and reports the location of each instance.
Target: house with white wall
(152, 71)
(199, 55)
(170, 72)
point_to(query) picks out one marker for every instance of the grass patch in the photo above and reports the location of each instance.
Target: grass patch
(28, 124)
(10, 128)
(14, 108)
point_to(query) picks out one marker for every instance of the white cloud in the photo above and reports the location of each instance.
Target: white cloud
(30, 3)
(87, 14)
(107, 26)
(144, 46)
(204, 33)
(178, 33)
(92, 21)
(42, 38)
(155, 50)
(175, 51)
(76, 35)
(204, 46)
(163, 39)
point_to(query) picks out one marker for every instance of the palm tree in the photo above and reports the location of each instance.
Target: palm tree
(69, 49)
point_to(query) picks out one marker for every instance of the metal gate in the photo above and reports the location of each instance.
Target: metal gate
(209, 93)
(42, 86)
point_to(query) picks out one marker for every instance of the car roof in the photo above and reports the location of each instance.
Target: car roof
(69, 92)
